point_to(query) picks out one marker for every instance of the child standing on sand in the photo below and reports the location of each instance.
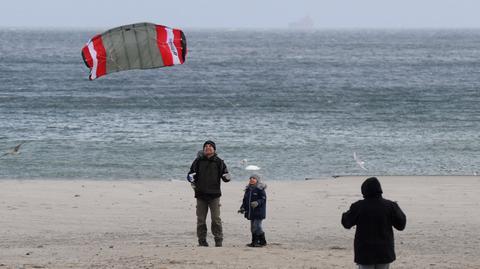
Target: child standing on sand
(254, 209)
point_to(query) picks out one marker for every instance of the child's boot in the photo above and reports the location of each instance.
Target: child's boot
(254, 241)
(261, 240)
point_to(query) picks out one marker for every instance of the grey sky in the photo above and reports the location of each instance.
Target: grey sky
(243, 13)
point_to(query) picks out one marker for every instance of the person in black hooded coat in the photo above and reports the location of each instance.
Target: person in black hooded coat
(374, 217)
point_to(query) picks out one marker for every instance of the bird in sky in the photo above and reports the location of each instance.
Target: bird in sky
(359, 162)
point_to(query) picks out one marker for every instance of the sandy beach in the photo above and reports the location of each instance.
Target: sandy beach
(151, 224)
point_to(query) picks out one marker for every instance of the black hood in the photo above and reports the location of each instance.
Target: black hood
(371, 188)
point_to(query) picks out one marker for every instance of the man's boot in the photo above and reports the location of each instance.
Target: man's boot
(261, 240)
(202, 243)
(218, 242)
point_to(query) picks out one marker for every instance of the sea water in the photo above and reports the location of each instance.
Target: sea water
(296, 104)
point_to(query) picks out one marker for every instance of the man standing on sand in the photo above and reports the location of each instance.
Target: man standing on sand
(205, 174)
(374, 216)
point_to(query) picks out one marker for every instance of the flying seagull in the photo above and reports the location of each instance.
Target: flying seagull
(13, 151)
(359, 162)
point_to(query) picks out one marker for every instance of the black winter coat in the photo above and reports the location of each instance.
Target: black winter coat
(374, 217)
(255, 194)
(209, 172)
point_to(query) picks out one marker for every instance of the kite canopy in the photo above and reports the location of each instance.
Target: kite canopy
(134, 46)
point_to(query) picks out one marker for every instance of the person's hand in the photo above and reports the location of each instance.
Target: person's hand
(193, 186)
(226, 177)
(254, 204)
(241, 210)
(191, 177)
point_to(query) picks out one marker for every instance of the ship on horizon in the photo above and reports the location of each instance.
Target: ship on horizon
(303, 23)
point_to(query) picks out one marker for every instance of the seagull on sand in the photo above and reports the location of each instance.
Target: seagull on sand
(15, 150)
(359, 162)
(249, 167)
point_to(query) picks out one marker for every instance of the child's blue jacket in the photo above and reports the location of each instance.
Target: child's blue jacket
(255, 193)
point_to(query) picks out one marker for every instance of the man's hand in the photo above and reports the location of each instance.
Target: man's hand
(241, 210)
(226, 177)
(254, 204)
(191, 177)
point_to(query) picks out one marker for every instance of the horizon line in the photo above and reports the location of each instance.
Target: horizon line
(315, 28)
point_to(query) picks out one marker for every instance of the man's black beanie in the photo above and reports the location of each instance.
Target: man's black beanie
(210, 142)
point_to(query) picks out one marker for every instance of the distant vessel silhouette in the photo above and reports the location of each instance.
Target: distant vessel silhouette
(304, 23)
